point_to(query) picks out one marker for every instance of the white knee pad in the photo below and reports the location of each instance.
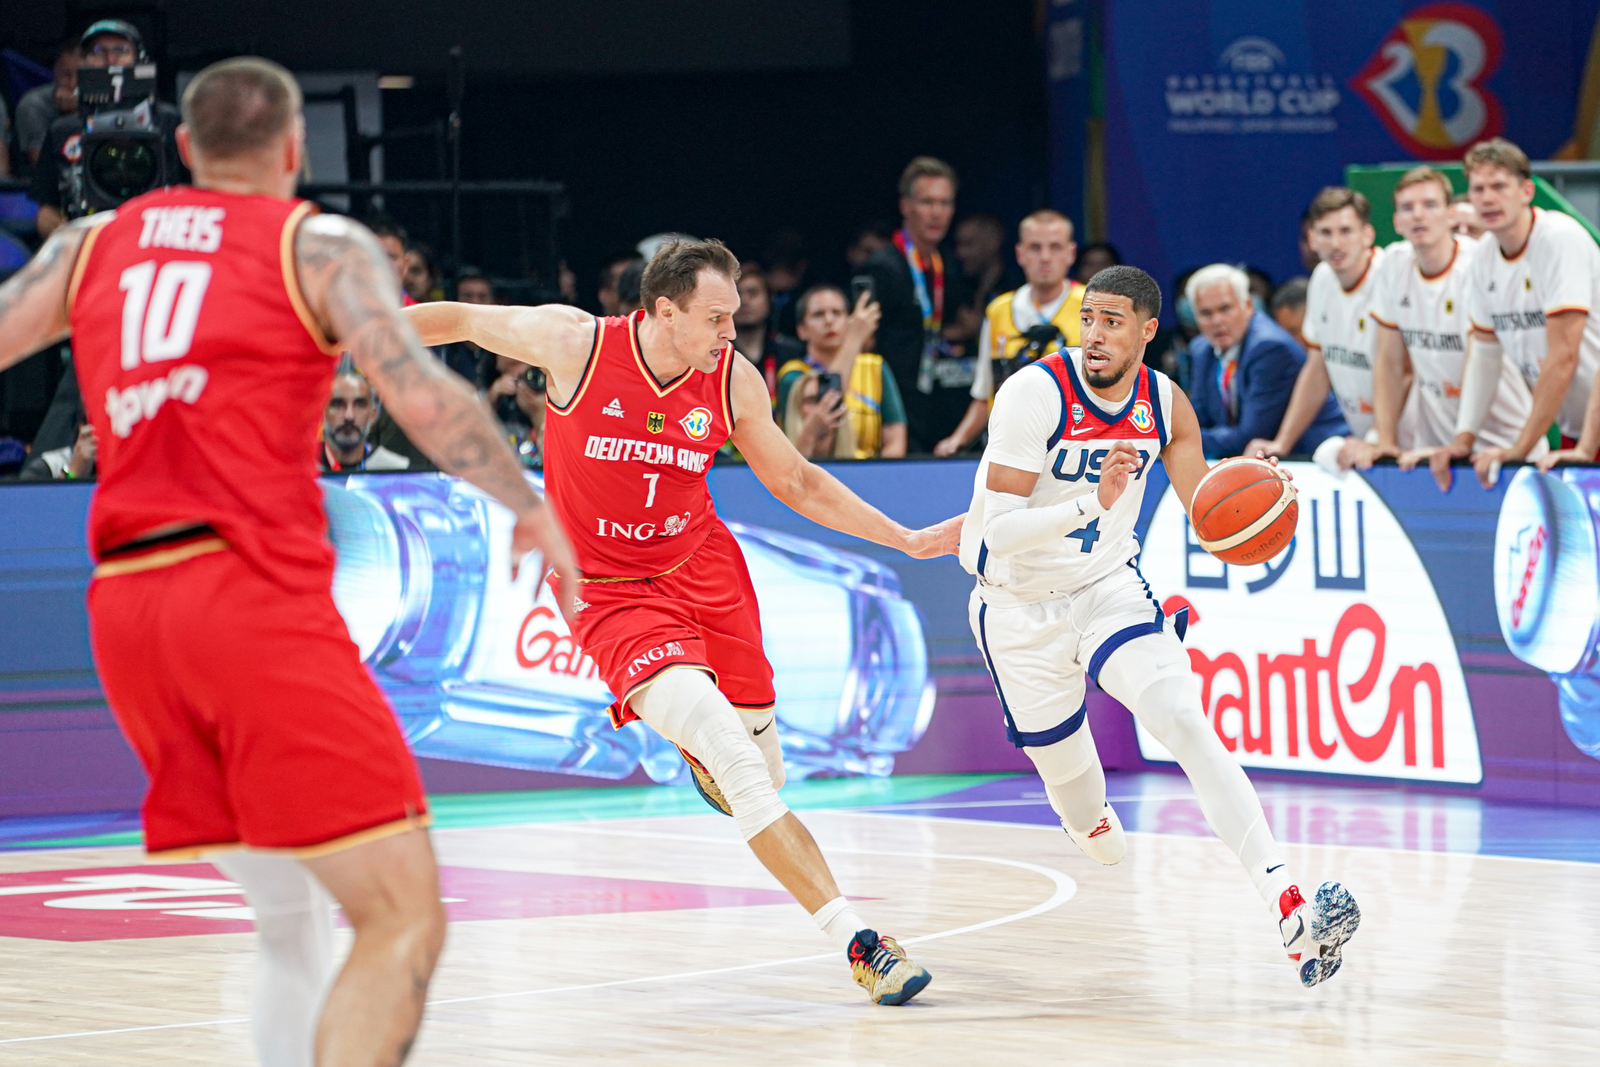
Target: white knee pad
(762, 726)
(685, 707)
(294, 955)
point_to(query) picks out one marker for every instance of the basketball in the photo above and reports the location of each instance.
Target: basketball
(1245, 511)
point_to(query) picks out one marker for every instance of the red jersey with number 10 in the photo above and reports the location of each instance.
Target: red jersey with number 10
(626, 458)
(205, 377)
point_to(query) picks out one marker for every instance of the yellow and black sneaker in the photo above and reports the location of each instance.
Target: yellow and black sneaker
(704, 784)
(882, 969)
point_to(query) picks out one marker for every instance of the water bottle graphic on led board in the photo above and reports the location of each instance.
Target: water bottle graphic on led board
(482, 669)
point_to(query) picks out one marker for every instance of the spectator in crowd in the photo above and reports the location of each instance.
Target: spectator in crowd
(1419, 308)
(60, 435)
(465, 358)
(866, 241)
(606, 291)
(43, 104)
(74, 461)
(107, 43)
(628, 299)
(1093, 259)
(1260, 286)
(474, 287)
(786, 263)
(1337, 334)
(913, 288)
(1168, 351)
(1534, 301)
(756, 338)
(1464, 217)
(1288, 307)
(1033, 320)
(518, 396)
(1308, 253)
(838, 400)
(347, 423)
(1243, 367)
(392, 238)
(980, 241)
(419, 275)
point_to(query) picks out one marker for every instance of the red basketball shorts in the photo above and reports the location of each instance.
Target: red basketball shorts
(701, 614)
(250, 710)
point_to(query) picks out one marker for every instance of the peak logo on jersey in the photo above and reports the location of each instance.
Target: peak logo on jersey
(656, 422)
(1140, 417)
(1077, 412)
(614, 409)
(1425, 79)
(696, 424)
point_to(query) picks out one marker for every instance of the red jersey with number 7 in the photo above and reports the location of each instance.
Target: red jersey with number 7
(626, 457)
(205, 377)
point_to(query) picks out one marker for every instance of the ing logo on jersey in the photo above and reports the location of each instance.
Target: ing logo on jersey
(1140, 417)
(655, 422)
(1425, 79)
(696, 424)
(1077, 412)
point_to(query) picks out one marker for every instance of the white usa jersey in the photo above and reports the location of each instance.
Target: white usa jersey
(1045, 421)
(1336, 322)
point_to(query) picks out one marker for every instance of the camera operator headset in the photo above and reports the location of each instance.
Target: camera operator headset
(119, 144)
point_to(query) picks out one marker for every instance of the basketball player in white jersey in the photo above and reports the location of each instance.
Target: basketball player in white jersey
(1419, 307)
(1535, 287)
(1338, 334)
(1059, 599)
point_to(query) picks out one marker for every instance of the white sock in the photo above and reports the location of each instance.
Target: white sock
(839, 921)
(294, 954)
(1153, 679)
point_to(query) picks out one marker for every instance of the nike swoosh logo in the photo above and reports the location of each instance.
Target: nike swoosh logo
(1277, 868)
(1077, 430)
(763, 730)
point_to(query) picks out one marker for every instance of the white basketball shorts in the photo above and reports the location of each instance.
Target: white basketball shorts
(1040, 654)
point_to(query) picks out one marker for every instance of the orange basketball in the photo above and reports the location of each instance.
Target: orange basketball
(1245, 511)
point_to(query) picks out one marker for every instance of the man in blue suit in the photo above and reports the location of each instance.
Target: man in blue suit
(1243, 367)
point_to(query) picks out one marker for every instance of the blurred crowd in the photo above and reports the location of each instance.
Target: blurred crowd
(1469, 338)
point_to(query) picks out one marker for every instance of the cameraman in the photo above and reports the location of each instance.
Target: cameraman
(107, 43)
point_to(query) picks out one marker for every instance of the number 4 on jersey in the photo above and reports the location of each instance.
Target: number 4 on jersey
(1087, 536)
(160, 310)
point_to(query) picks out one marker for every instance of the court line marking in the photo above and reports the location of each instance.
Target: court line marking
(1065, 889)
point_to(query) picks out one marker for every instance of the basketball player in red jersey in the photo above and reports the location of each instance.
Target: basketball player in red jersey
(205, 322)
(638, 407)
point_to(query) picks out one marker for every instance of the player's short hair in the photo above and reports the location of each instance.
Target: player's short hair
(1044, 217)
(1337, 198)
(926, 167)
(1497, 152)
(675, 270)
(1421, 176)
(803, 305)
(1132, 283)
(239, 106)
(1215, 274)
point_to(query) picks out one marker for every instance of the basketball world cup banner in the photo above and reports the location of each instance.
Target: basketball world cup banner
(1223, 119)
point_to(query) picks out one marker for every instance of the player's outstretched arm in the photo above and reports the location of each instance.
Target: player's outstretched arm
(33, 301)
(1183, 457)
(809, 489)
(351, 288)
(555, 337)
(1310, 390)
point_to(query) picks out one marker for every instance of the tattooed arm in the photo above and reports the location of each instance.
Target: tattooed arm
(33, 301)
(351, 288)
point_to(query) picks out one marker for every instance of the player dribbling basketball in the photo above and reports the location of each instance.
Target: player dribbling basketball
(1059, 598)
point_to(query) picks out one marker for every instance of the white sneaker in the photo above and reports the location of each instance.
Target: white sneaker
(1314, 933)
(1105, 842)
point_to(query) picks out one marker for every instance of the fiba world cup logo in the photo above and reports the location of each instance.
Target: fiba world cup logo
(1140, 417)
(1425, 81)
(696, 424)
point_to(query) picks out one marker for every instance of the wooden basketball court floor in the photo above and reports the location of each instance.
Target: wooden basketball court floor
(633, 927)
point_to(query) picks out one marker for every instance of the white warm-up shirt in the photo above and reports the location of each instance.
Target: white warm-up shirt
(1336, 322)
(1431, 316)
(1557, 270)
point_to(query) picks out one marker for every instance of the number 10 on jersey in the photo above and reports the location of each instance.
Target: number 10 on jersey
(160, 309)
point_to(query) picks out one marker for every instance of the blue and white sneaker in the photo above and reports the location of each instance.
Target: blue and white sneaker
(1314, 933)
(881, 968)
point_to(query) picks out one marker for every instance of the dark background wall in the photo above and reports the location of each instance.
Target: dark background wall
(716, 117)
